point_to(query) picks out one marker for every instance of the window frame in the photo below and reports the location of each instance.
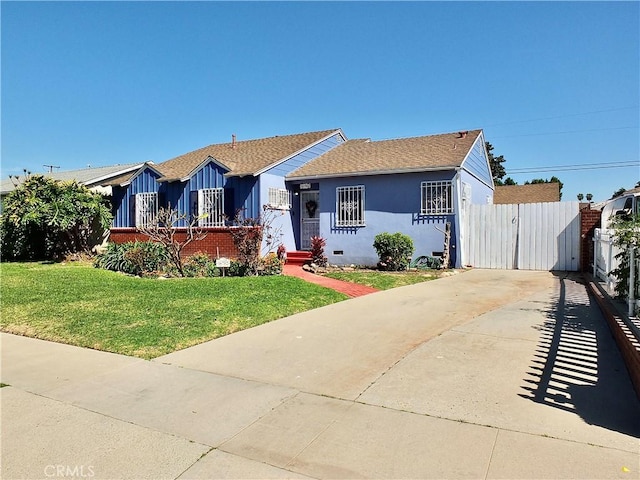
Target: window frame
(432, 193)
(208, 218)
(354, 216)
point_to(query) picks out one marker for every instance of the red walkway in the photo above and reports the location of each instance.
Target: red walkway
(348, 288)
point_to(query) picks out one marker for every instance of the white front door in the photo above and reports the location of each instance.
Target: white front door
(309, 217)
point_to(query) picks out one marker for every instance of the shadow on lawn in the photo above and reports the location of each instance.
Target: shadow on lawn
(578, 368)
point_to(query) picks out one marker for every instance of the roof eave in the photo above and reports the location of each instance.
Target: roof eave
(114, 174)
(140, 170)
(373, 172)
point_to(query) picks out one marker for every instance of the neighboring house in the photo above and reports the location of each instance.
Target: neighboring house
(530, 193)
(317, 183)
(95, 178)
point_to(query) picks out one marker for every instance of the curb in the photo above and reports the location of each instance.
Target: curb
(628, 343)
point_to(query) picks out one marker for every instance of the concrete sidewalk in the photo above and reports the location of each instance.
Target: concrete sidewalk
(487, 374)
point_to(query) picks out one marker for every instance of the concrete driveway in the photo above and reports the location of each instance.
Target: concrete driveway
(485, 374)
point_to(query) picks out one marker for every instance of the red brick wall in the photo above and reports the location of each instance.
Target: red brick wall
(217, 240)
(589, 221)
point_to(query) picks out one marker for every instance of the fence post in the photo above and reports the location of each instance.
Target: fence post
(632, 284)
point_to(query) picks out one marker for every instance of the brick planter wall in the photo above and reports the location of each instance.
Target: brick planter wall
(589, 221)
(217, 240)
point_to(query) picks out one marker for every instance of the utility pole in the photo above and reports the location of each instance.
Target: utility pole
(51, 167)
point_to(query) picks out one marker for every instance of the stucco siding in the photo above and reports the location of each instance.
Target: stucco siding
(281, 220)
(309, 154)
(477, 164)
(392, 204)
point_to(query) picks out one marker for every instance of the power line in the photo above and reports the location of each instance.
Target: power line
(568, 131)
(562, 116)
(566, 168)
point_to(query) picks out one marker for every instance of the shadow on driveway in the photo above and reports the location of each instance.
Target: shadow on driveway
(578, 368)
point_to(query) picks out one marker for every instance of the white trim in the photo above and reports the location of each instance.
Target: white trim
(311, 145)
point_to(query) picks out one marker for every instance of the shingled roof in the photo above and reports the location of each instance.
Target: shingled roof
(364, 157)
(242, 158)
(531, 193)
(87, 176)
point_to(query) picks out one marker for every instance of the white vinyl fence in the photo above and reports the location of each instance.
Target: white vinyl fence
(527, 236)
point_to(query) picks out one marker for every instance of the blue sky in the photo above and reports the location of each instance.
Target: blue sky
(100, 83)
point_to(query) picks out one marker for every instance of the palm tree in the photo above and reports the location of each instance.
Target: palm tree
(580, 197)
(589, 197)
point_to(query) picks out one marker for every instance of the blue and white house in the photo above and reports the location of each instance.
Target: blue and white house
(322, 184)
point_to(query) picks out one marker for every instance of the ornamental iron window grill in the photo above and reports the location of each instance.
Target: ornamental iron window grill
(350, 206)
(436, 198)
(146, 209)
(279, 198)
(211, 207)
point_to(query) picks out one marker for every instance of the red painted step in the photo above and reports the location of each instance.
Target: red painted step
(298, 257)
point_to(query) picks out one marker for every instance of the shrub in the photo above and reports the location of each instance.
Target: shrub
(134, 258)
(46, 219)
(270, 265)
(317, 251)
(200, 265)
(394, 250)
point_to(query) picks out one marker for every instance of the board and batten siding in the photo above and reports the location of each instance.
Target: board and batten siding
(179, 194)
(528, 236)
(145, 182)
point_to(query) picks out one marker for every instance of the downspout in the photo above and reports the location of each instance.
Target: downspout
(460, 231)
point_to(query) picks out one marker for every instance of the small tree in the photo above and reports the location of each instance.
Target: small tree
(589, 197)
(394, 250)
(580, 197)
(48, 219)
(253, 237)
(626, 236)
(164, 230)
(495, 163)
(317, 251)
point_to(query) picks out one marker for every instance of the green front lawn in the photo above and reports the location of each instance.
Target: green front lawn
(385, 280)
(80, 305)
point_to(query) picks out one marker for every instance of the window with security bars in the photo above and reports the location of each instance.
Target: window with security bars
(350, 206)
(436, 198)
(146, 209)
(211, 207)
(279, 198)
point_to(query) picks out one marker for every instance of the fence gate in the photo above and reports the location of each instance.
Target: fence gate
(526, 236)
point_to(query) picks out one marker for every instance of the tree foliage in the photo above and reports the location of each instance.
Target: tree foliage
(618, 192)
(256, 235)
(46, 219)
(164, 230)
(626, 236)
(497, 169)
